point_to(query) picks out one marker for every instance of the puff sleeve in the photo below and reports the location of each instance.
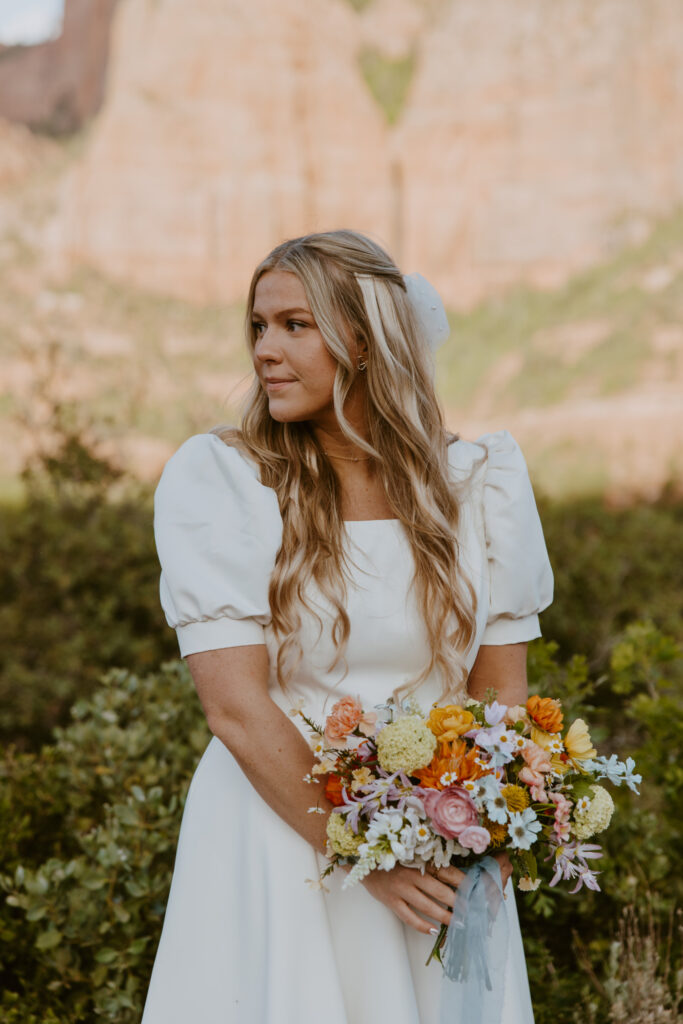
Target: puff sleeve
(217, 532)
(520, 575)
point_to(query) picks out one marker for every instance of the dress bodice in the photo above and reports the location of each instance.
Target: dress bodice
(218, 530)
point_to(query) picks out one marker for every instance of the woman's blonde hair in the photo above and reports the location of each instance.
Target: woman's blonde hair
(354, 287)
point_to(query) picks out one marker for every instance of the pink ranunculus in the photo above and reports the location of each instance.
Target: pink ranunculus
(536, 757)
(452, 812)
(429, 798)
(475, 838)
(343, 719)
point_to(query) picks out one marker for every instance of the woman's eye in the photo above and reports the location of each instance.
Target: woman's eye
(257, 326)
(296, 323)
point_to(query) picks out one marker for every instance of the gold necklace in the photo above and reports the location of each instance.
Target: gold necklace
(347, 458)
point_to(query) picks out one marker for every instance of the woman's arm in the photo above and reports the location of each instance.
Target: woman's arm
(503, 669)
(232, 684)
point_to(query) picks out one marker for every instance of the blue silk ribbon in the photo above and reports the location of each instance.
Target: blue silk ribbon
(474, 954)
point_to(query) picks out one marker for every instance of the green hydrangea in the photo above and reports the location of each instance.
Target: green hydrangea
(596, 816)
(405, 745)
(342, 839)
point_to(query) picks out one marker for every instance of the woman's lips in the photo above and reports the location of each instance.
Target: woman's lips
(277, 385)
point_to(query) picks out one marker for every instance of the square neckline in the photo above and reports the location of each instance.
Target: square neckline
(347, 521)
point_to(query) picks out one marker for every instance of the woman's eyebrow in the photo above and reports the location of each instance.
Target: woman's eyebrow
(285, 312)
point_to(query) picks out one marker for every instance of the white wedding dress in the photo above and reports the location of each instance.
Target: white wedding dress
(245, 939)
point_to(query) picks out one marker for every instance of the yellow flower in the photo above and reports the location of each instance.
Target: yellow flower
(516, 797)
(498, 832)
(541, 737)
(450, 722)
(323, 767)
(558, 765)
(361, 777)
(342, 840)
(405, 745)
(578, 743)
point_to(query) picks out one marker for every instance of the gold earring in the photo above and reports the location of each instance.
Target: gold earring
(362, 364)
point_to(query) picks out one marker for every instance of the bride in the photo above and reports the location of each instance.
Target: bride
(341, 542)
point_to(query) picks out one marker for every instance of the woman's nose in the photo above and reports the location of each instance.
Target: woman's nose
(266, 349)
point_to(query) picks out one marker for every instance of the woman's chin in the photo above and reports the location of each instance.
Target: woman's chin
(281, 414)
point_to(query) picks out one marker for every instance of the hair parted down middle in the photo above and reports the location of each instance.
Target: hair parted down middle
(353, 286)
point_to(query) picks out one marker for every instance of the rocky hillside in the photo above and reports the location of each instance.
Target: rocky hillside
(54, 87)
(588, 376)
(485, 143)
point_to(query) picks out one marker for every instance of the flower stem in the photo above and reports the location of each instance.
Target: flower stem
(436, 948)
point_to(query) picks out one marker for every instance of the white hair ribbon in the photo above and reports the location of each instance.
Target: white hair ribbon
(428, 308)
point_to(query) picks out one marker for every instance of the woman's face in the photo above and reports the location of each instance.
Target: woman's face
(294, 366)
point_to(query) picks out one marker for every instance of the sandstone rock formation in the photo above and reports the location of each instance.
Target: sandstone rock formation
(536, 138)
(56, 86)
(227, 127)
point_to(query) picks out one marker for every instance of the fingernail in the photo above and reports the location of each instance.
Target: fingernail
(433, 931)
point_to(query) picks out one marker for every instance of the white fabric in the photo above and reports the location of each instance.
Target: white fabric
(245, 941)
(428, 308)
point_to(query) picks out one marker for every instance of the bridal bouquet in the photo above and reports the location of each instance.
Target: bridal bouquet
(461, 783)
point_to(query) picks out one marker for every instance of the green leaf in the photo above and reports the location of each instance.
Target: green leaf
(49, 939)
(582, 787)
(138, 945)
(106, 955)
(35, 913)
(528, 863)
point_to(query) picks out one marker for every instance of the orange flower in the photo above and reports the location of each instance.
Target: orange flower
(333, 790)
(546, 713)
(343, 719)
(455, 758)
(450, 722)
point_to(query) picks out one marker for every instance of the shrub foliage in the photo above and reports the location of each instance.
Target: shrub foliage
(97, 760)
(90, 826)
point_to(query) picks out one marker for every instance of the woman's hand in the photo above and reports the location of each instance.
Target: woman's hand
(505, 865)
(406, 891)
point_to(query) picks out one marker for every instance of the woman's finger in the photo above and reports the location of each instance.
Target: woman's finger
(451, 876)
(436, 889)
(408, 915)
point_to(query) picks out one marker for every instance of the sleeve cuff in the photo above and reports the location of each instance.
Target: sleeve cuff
(213, 634)
(504, 630)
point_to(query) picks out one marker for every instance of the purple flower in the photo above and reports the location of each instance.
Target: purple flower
(495, 712)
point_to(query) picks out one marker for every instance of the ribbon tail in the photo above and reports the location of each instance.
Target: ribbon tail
(476, 949)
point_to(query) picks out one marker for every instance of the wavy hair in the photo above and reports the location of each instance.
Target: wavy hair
(353, 286)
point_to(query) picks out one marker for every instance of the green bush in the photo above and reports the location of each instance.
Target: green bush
(612, 566)
(89, 827)
(88, 831)
(79, 589)
(636, 709)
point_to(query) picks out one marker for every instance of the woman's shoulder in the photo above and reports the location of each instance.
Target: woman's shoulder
(208, 473)
(204, 452)
(493, 452)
